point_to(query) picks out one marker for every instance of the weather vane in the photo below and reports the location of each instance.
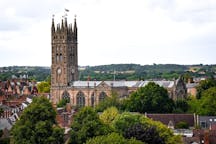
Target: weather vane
(66, 11)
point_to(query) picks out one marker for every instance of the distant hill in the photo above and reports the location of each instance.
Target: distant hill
(115, 71)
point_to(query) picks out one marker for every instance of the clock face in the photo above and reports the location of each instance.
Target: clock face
(73, 70)
(59, 71)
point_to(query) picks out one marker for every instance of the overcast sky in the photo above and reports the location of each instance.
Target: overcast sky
(111, 31)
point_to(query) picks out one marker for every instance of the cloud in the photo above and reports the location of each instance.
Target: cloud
(123, 31)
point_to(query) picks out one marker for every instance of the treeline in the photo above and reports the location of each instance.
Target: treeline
(115, 71)
(24, 72)
(142, 72)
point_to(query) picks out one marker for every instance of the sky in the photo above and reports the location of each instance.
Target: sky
(111, 31)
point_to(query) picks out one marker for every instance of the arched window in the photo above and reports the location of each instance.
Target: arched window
(80, 99)
(102, 96)
(92, 99)
(57, 58)
(66, 96)
(60, 58)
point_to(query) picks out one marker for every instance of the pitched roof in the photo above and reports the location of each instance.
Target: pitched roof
(135, 84)
(175, 118)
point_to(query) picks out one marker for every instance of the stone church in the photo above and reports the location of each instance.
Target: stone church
(64, 73)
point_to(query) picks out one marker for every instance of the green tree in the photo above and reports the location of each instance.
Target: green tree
(204, 85)
(126, 120)
(63, 102)
(109, 115)
(86, 125)
(208, 102)
(182, 125)
(144, 133)
(36, 124)
(152, 99)
(181, 106)
(113, 138)
(43, 87)
(109, 102)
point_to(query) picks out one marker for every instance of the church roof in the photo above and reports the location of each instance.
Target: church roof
(135, 84)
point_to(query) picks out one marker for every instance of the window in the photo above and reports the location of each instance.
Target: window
(92, 99)
(57, 58)
(60, 58)
(66, 96)
(80, 99)
(102, 96)
(210, 120)
(203, 124)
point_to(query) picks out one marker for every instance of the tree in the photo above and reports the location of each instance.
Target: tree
(43, 87)
(36, 124)
(109, 115)
(144, 133)
(125, 121)
(109, 102)
(86, 125)
(152, 98)
(181, 106)
(204, 85)
(113, 138)
(208, 102)
(182, 125)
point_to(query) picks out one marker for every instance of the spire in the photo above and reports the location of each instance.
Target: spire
(62, 24)
(53, 24)
(65, 21)
(75, 28)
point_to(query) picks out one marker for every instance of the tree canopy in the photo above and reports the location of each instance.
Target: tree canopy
(37, 124)
(152, 99)
(113, 138)
(86, 125)
(204, 85)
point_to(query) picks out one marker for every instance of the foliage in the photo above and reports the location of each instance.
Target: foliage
(113, 138)
(206, 105)
(144, 133)
(1, 133)
(62, 102)
(36, 124)
(208, 102)
(193, 105)
(126, 120)
(5, 141)
(182, 125)
(152, 99)
(109, 102)
(43, 87)
(109, 115)
(86, 125)
(181, 106)
(204, 85)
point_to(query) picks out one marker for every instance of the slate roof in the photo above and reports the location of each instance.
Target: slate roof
(191, 85)
(135, 84)
(175, 118)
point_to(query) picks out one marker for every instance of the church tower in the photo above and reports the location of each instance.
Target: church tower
(64, 67)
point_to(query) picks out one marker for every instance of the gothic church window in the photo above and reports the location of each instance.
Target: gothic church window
(57, 58)
(80, 99)
(92, 99)
(66, 96)
(102, 96)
